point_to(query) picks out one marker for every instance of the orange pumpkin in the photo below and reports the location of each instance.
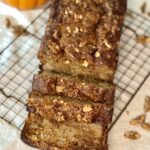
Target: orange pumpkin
(25, 4)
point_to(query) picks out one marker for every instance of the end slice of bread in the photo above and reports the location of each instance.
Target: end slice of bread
(45, 135)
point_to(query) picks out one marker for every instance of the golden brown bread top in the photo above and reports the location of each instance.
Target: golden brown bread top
(85, 31)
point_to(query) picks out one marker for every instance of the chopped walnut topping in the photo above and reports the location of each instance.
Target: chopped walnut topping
(76, 30)
(78, 16)
(53, 47)
(55, 34)
(8, 22)
(60, 118)
(133, 135)
(77, 50)
(66, 12)
(147, 104)
(67, 62)
(97, 54)
(138, 120)
(145, 126)
(87, 108)
(59, 89)
(85, 63)
(79, 117)
(107, 44)
(68, 29)
(61, 102)
(83, 83)
(81, 30)
(70, 11)
(77, 1)
(81, 44)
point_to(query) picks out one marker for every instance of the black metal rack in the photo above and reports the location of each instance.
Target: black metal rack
(18, 63)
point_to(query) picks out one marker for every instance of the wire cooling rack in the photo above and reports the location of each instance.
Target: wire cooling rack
(18, 63)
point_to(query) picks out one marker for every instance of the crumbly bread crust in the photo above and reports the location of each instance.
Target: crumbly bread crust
(63, 109)
(73, 87)
(45, 135)
(82, 38)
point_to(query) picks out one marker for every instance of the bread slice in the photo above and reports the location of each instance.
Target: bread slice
(73, 87)
(82, 38)
(47, 135)
(63, 109)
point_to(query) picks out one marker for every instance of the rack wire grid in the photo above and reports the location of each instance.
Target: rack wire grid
(18, 64)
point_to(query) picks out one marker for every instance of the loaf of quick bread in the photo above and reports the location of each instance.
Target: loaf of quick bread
(71, 102)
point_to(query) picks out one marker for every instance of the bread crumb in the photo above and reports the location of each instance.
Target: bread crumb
(138, 120)
(67, 62)
(132, 135)
(143, 39)
(145, 126)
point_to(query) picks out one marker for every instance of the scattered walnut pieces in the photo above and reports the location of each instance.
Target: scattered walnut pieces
(143, 39)
(97, 54)
(148, 13)
(145, 126)
(67, 62)
(16, 29)
(143, 7)
(7, 22)
(133, 135)
(147, 104)
(59, 89)
(87, 108)
(138, 120)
